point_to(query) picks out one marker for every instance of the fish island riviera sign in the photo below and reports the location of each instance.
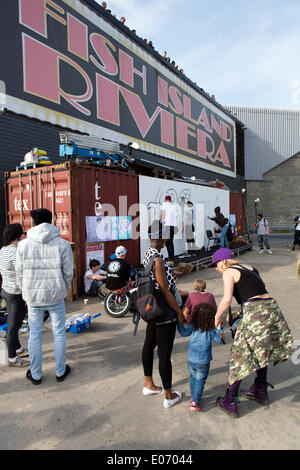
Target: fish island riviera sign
(68, 65)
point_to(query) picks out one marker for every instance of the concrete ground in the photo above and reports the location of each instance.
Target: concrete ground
(100, 405)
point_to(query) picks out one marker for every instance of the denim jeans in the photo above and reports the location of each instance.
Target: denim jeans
(223, 237)
(36, 322)
(198, 377)
(263, 239)
(94, 287)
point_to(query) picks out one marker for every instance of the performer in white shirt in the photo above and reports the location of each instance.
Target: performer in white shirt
(168, 218)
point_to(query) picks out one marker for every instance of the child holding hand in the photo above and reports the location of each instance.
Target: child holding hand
(202, 331)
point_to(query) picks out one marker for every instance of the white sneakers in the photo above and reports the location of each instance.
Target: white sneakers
(172, 402)
(261, 252)
(167, 403)
(269, 251)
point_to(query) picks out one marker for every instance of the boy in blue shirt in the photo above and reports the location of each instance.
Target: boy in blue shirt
(203, 332)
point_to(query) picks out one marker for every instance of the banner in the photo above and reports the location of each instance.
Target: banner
(104, 229)
(68, 65)
(152, 193)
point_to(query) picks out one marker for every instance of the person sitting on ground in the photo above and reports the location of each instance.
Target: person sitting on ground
(94, 278)
(203, 332)
(199, 296)
(118, 270)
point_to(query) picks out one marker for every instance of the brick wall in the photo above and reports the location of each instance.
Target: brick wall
(278, 192)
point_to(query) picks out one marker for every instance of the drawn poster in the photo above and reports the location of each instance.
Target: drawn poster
(94, 251)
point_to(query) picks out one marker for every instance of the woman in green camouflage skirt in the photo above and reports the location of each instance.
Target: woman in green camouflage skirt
(262, 336)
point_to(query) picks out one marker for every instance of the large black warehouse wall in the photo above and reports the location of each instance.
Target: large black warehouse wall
(18, 136)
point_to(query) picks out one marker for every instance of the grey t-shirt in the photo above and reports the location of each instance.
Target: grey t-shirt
(262, 227)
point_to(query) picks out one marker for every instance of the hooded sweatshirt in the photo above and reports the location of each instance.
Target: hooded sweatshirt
(219, 219)
(44, 266)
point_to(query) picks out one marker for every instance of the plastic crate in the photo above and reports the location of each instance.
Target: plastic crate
(83, 325)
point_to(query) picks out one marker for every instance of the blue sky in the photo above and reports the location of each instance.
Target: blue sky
(244, 52)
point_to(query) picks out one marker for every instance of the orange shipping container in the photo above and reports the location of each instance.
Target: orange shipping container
(72, 191)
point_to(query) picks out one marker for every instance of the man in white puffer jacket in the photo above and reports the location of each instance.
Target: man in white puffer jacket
(44, 269)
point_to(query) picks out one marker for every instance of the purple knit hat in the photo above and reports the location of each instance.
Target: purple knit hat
(220, 255)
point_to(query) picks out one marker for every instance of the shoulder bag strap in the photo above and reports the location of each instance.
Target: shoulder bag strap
(150, 265)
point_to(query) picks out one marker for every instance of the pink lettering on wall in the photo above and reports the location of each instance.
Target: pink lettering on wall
(39, 57)
(138, 111)
(107, 100)
(127, 71)
(102, 46)
(162, 91)
(226, 132)
(183, 130)
(202, 139)
(77, 37)
(221, 155)
(175, 97)
(33, 14)
(108, 96)
(167, 127)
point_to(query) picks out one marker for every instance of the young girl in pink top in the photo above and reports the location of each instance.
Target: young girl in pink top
(198, 297)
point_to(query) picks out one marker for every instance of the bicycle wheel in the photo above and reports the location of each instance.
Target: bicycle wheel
(117, 306)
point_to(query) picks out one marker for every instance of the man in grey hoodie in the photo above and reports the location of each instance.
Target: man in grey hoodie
(44, 270)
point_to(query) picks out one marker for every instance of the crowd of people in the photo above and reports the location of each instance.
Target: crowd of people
(262, 335)
(37, 269)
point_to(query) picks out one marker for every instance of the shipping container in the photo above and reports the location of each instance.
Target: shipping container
(236, 205)
(72, 192)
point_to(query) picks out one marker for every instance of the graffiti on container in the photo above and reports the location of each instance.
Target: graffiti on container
(62, 222)
(178, 198)
(98, 205)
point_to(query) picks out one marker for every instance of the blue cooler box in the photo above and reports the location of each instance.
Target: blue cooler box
(82, 325)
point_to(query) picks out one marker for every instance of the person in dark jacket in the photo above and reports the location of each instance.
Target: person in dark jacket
(223, 224)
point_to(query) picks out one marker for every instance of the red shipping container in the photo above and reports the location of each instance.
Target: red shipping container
(237, 207)
(72, 191)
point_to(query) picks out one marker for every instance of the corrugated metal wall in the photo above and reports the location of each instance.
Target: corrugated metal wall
(271, 136)
(18, 136)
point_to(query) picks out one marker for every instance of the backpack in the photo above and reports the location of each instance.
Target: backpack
(229, 234)
(148, 301)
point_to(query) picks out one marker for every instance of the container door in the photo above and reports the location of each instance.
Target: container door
(237, 213)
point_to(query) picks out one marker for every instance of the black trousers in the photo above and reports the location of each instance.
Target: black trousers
(163, 337)
(16, 311)
(169, 242)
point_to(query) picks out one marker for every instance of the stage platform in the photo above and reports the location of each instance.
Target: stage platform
(202, 258)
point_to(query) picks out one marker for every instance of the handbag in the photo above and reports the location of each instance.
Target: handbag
(148, 301)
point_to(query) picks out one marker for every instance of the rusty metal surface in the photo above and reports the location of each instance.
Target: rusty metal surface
(71, 192)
